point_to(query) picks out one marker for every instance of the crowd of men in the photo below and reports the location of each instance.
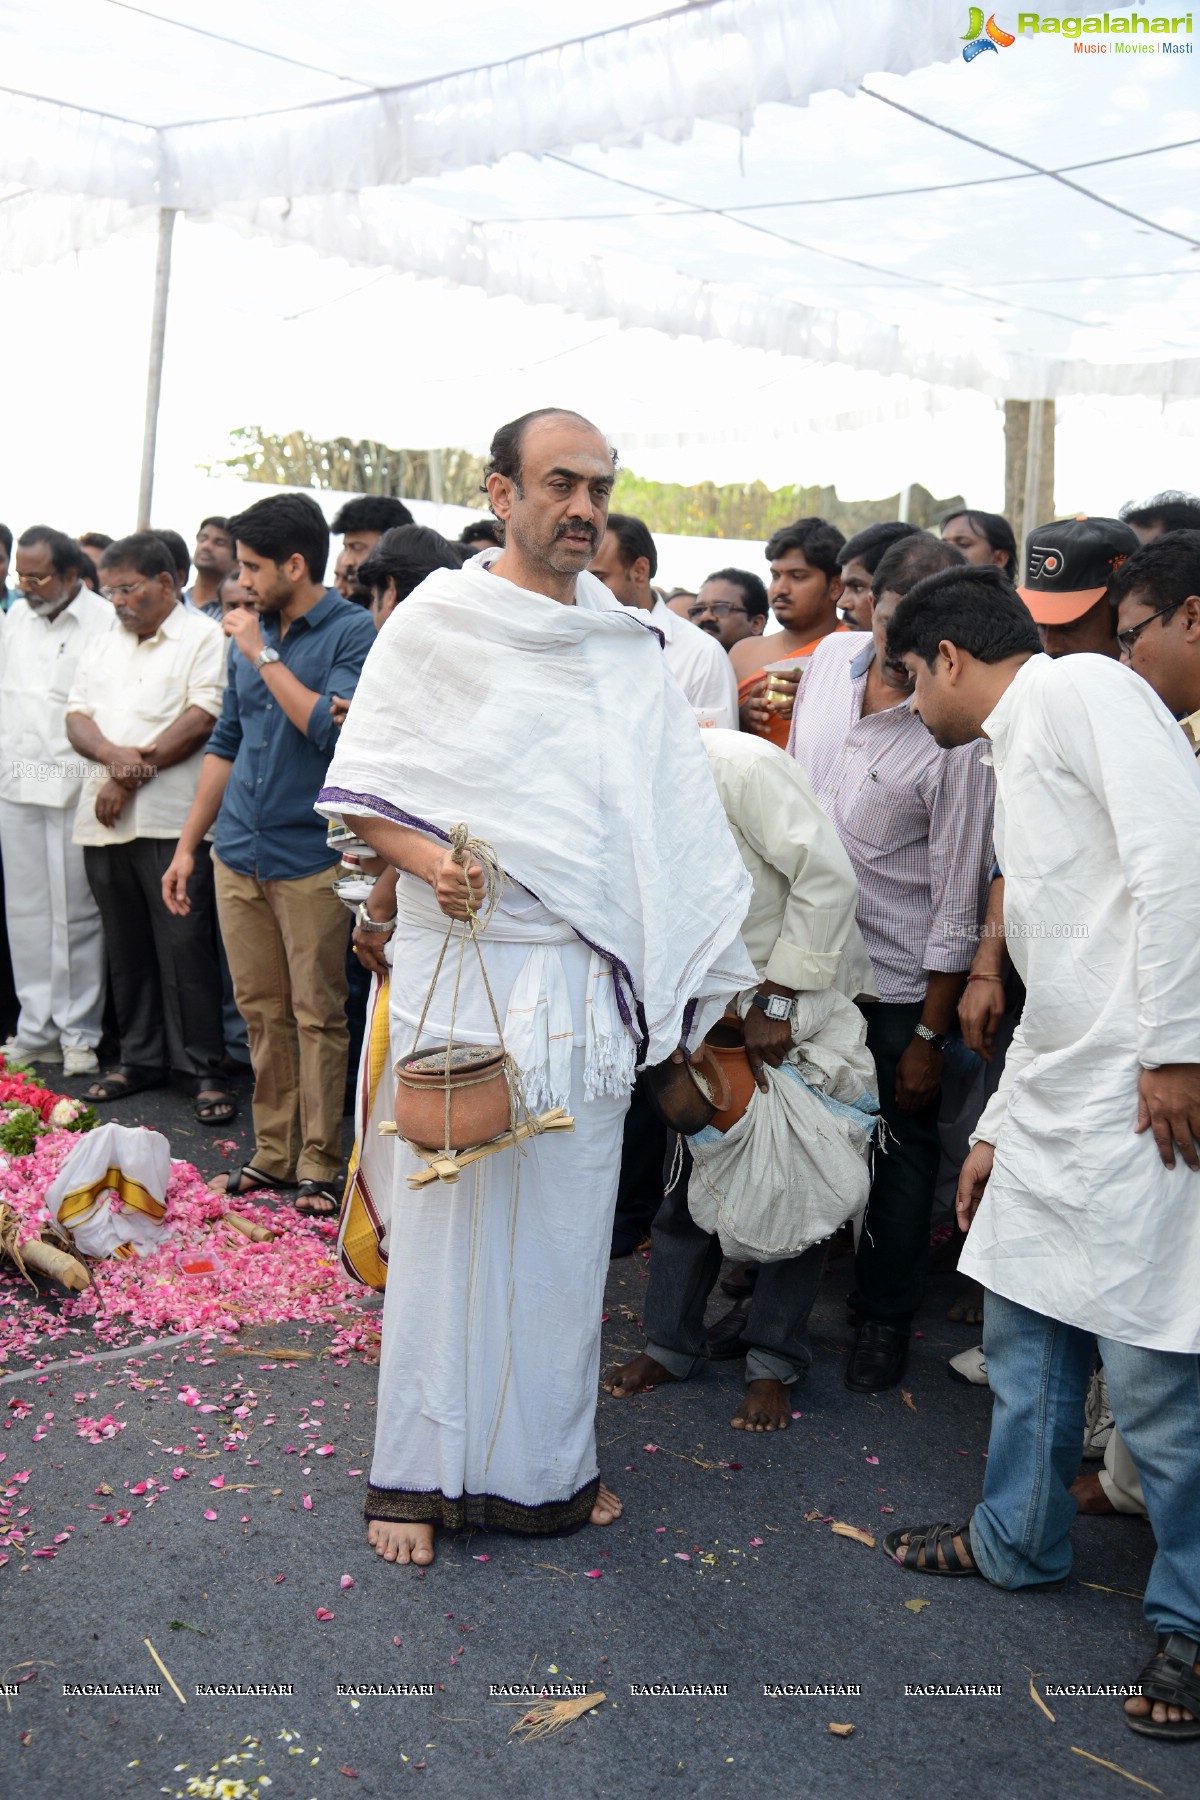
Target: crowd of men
(941, 785)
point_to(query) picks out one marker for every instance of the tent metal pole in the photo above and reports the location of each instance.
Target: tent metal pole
(158, 333)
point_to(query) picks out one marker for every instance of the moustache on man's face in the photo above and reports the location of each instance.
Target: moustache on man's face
(576, 530)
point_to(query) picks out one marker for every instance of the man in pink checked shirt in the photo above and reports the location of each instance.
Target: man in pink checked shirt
(916, 823)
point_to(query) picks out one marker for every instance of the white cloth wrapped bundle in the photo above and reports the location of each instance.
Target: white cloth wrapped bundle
(796, 1165)
(111, 1192)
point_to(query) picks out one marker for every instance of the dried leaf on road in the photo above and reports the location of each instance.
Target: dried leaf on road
(853, 1531)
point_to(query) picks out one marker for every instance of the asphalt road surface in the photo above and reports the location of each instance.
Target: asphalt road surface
(714, 1579)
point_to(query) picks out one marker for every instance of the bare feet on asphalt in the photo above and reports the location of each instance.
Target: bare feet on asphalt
(1090, 1497)
(401, 1543)
(766, 1406)
(635, 1377)
(607, 1509)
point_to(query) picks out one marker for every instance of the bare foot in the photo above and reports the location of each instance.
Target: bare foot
(968, 1306)
(1139, 1707)
(766, 1406)
(607, 1509)
(635, 1377)
(1090, 1496)
(401, 1543)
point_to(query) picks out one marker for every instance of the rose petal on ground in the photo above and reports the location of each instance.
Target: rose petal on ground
(347, 1581)
(323, 1612)
(307, 1499)
(209, 1513)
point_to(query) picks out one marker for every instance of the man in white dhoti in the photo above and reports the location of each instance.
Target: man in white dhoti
(1082, 1188)
(517, 696)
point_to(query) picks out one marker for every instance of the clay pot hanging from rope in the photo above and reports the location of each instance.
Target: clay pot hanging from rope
(455, 1102)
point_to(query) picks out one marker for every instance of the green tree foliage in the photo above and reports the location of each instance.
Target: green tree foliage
(738, 510)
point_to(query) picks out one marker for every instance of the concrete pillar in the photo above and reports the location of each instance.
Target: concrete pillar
(1028, 466)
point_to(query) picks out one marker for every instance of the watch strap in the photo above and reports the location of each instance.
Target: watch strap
(936, 1038)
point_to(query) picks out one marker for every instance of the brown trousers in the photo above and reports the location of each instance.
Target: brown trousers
(286, 944)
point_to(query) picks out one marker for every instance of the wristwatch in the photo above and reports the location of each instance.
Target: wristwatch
(369, 924)
(266, 656)
(935, 1039)
(776, 1006)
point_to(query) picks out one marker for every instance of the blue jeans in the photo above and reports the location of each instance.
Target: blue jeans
(1038, 1370)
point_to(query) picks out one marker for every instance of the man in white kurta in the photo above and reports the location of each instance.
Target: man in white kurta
(518, 697)
(1082, 1190)
(54, 929)
(627, 562)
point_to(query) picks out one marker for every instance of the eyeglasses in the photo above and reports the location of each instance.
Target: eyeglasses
(36, 581)
(720, 609)
(1127, 639)
(124, 592)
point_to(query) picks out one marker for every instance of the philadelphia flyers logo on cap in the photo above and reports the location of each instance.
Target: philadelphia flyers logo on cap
(1045, 564)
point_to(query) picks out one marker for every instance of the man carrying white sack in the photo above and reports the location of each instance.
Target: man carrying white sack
(517, 696)
(801, 935)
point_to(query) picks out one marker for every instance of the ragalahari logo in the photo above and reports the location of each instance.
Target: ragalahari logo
(980, 36)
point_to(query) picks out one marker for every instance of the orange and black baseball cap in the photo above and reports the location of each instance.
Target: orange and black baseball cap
(1069, 564)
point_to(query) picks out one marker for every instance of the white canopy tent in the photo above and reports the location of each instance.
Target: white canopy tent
(740, 226)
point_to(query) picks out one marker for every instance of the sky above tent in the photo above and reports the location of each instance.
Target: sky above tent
(756, 242)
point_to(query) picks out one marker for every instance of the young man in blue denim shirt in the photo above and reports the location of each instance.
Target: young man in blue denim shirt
(284, 928)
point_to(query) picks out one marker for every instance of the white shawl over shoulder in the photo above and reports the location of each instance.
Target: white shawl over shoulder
(558, 736)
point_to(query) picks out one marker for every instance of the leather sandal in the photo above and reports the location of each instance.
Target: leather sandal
(328, 1192)
(925, 1541)
(1170, 1678)
(246, 1179)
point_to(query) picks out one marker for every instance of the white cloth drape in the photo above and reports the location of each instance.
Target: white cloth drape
(557, 735)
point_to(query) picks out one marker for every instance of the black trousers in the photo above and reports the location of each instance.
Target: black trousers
(640, 1188)
(893, 1249)
(165, 979)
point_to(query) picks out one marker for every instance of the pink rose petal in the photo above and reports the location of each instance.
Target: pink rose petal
(209, 1513)
(179, 1474)
(307, 1499)
(682, 1556)
(481, 1559)
(325, 1450)
(347, 1581)
(874, 1460)
(756, 1543)
(593, 1574)
(323, 1612)
(218, 1481)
